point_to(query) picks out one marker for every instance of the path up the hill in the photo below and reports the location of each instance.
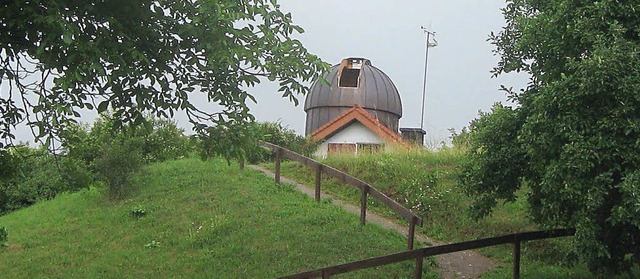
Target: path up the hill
(465, 264)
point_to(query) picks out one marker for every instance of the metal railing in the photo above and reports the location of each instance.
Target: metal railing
(364, 187)
(420, 254)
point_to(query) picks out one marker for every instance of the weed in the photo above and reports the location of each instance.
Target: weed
(152, 244)
(138, 211)
(195, 229)
(4, 237)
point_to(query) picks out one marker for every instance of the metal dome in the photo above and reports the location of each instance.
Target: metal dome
(353, 82)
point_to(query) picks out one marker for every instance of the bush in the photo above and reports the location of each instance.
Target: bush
(277, 134)
(101, 151)
(116, 163)
(241, 141)
(4, 236)
(156, 140)
(115, 153)
(163, 140)
(38, 175)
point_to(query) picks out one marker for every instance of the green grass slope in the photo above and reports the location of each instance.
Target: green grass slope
(203, 220)
(426, 182)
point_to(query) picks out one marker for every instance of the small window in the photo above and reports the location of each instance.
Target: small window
(341, 148)
(349, 77)
(354, 148)
(369, 148)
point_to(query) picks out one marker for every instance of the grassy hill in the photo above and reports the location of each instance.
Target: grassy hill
(426, 182)
(196, 219)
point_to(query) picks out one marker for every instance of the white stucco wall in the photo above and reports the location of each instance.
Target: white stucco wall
(354, 133)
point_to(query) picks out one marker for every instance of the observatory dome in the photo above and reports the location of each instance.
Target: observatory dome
(353, 82)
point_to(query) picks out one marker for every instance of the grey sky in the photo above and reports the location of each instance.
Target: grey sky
(388, 33)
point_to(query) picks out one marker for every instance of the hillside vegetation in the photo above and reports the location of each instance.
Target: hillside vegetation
(427, 183)
(190, 218)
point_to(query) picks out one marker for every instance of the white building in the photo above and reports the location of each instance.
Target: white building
(356, 111)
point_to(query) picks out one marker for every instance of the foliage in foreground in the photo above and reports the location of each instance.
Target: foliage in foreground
(573, 138)
(202, 219)
(135, 58)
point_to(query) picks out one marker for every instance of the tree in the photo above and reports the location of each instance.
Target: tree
(571, 140)
(59, 57)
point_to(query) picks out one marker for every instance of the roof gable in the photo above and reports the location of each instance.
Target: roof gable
(359, 114)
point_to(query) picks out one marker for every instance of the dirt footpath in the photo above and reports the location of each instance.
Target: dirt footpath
(465, 264)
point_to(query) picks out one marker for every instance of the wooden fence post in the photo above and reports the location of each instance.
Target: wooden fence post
(417, 274)
(516, 259)
(412, 232)
(278, 161)
(318, 178)
(363, 205)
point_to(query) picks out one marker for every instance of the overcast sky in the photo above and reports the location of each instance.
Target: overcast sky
(388, 33)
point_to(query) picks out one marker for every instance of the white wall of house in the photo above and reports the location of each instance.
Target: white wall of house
(354, 133)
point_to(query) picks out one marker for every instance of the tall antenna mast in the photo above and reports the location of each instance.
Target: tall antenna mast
(430, 35)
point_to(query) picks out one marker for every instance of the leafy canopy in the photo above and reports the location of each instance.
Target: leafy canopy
(572, 140)
(131, 57)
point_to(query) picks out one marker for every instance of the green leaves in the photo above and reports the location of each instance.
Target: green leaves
(496, 160)
(102, 107)
(66, 37)
(135, 57)
(572, 140)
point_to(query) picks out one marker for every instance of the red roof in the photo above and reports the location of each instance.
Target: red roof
(359, 114)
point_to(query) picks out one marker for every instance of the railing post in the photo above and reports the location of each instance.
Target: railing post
(318, 178)
(417, 274)
(325, 274)
(363, 204)
(516, 259)
(412, 232)
(278, 161)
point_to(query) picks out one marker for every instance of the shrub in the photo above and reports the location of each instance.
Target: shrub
(9, 164)
(240, 141)
(138, 211)
(163, 140)
(4, 236)
(277, 134)
(39, 175)
(230, 143)
(116, 163)
(156, 139)
(115, 153)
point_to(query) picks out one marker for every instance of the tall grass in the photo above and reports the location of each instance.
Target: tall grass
(426, 182)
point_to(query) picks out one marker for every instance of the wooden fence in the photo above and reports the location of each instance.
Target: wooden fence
(420, 254)
(364, 187)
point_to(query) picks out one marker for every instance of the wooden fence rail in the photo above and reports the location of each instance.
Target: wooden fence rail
(420, 254)
(364, 187)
